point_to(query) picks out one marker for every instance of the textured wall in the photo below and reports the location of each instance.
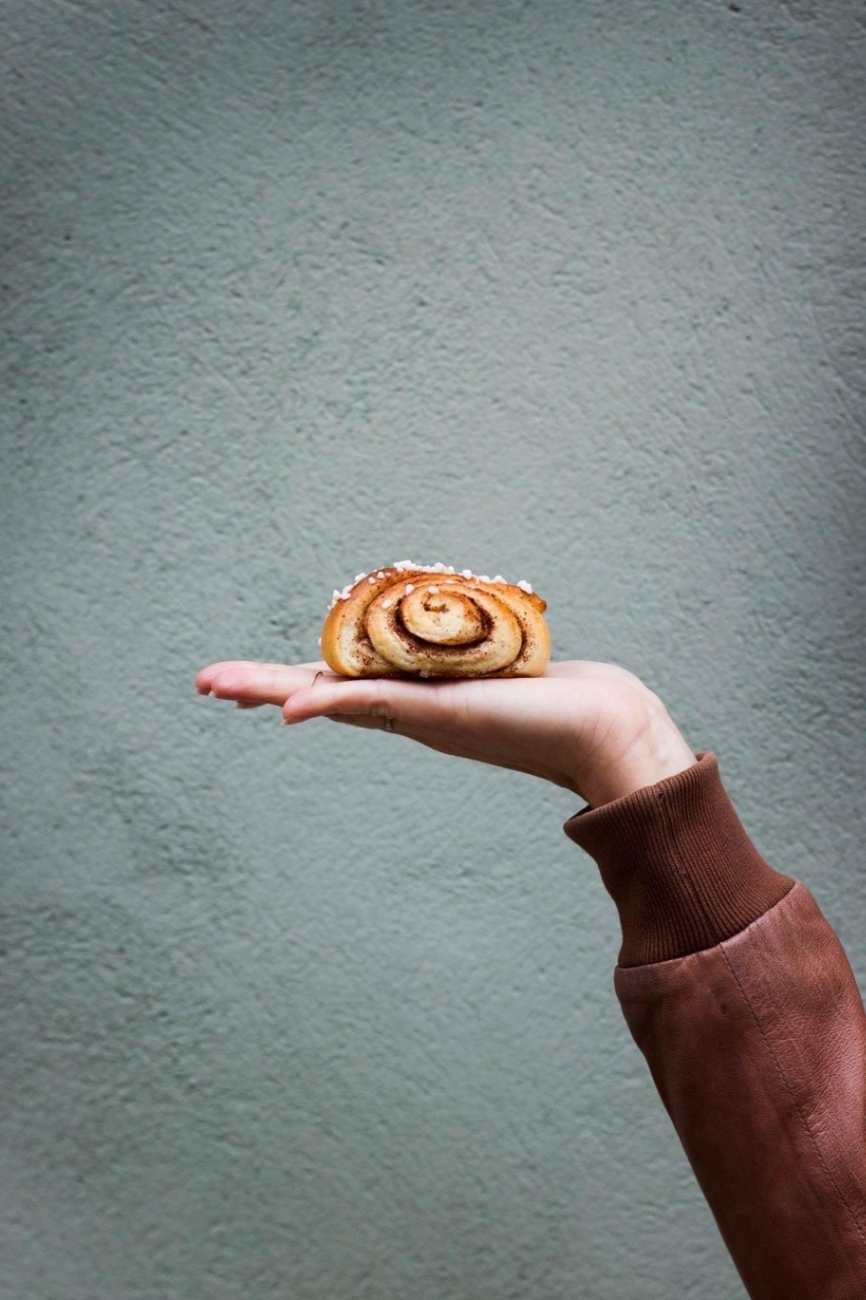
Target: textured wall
(568, 291)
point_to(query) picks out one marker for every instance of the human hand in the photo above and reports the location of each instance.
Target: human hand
(593, 728)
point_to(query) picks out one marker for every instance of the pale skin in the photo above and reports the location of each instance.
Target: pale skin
(592, 728)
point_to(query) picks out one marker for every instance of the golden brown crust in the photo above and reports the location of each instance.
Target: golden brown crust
(402, 621)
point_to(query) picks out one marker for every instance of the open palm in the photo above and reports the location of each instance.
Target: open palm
(593, 728)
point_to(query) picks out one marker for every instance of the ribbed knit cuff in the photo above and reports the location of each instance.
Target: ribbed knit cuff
(679, 865)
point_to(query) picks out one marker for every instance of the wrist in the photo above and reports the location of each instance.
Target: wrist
(647, 750)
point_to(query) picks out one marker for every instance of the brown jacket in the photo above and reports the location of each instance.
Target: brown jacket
(741, 998)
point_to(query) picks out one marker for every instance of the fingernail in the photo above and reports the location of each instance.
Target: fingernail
(213, 693)
(286, 722)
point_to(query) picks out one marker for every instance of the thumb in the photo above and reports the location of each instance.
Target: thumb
(412, 703)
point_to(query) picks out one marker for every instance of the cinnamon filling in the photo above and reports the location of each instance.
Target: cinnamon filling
(416, 643)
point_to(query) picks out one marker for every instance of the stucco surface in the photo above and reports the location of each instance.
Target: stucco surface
(567, 291)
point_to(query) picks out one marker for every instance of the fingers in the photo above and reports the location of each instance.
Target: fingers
(407, 702)
(257, 683)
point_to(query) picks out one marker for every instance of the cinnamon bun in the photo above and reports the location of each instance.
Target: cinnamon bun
(431, 621)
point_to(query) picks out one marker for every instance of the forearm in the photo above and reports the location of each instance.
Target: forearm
(739, 995)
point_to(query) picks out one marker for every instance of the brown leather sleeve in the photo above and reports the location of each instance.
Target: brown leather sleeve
(755, 1036)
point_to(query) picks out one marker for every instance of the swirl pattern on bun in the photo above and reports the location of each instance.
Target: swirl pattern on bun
(430, 621)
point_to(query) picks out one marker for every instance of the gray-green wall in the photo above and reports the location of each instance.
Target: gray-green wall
(567, 291)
